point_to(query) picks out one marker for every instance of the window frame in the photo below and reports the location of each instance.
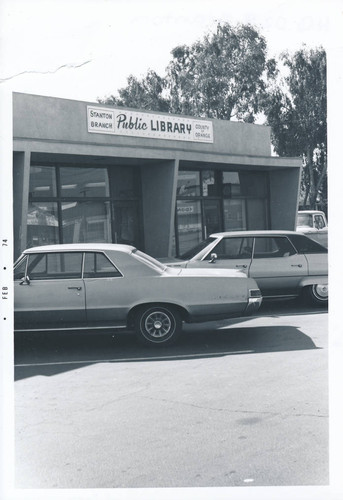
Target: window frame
(238, 257)
(221, 196)
(273, 256)
(99, 252)
(22, 258)
(317, 248)
(56, 277)
(26, 258)
(113, 200)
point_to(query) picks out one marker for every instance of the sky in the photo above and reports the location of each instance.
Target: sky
(86, 49)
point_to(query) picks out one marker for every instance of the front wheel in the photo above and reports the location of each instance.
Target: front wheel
(158, 325)
(317, 294)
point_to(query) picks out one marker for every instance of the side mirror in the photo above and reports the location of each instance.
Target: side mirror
(25, 281)
(213, 258)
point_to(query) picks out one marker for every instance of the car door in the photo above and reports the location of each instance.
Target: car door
(231, 253)
(106, 301)
(49, 291)
(276, 266)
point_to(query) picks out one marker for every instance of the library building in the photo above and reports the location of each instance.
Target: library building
(89, 172)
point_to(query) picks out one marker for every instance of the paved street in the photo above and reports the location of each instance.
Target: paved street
(234, 403)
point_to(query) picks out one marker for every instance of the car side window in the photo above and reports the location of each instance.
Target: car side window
(306, 245)
(97, 265)
(270, 247)
(52, 266)
(233, 248)
(319, 222)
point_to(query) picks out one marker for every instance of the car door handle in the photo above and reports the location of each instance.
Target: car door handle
(297, 265)
(241, 265)
(74, 288)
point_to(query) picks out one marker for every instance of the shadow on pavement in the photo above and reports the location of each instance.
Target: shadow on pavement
(53, 353)
(290, 307)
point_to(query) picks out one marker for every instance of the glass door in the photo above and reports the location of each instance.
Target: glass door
(234, 215)
(189, 226)
(125, 223)
(212, 218)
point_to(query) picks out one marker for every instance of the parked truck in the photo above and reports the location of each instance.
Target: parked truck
(313, 223)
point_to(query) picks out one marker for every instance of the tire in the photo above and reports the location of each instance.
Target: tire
(158, 325)
(317, 295)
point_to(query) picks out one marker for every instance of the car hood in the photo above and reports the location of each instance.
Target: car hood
(226, 273)
(303, 229)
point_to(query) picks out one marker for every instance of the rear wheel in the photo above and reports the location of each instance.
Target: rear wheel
(158, 325)
(317, 294)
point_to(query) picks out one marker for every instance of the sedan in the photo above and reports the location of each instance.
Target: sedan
(285, 264)
(107, 286)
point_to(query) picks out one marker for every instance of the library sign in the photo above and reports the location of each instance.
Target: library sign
(149, 125)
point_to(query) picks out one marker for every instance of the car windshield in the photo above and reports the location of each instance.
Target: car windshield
(149, 261)
(195, 250)
(305, 220)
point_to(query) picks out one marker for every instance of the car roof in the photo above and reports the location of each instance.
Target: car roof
(310, 212)
(83, 247)
(269, 232)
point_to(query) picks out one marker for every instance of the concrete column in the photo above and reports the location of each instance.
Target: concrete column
(284, 198)
(21, 176)
(159, 183)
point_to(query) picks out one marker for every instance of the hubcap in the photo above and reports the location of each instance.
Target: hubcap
(158, 324)
(321, 292)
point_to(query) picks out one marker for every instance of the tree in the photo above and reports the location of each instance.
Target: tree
(146, 93)
(296, 111)
(220, 76)
(227, 75)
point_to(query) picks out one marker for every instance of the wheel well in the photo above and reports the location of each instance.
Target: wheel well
(184, 315)
(314, 280)
(311, 297)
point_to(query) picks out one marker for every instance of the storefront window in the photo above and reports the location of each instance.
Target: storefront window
(42, 182)
(234, 215)
(173, 245)
(253, 184)
(228, 201)
(188, 224)
(231, 185)
(212, 217)
(256, 208)
(210, 184)
(125, 183)
(88, 221)
(77, 182)
(109, 213)
(42, 224)
(125, 222)
(188, 183)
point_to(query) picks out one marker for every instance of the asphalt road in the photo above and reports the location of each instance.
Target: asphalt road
(233, 403)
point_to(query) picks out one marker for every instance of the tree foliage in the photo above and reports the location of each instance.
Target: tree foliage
(227, 75)
(219, 76)
(146, 93)
(296, 111)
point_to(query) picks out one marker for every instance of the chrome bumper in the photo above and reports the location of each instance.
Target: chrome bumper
(253, 305)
